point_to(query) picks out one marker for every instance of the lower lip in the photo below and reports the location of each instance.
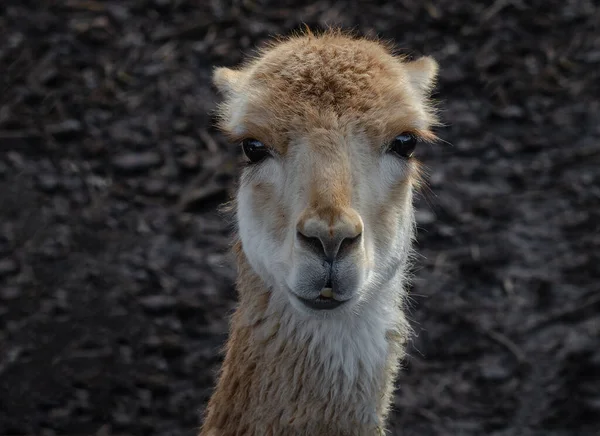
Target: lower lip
(321, 303)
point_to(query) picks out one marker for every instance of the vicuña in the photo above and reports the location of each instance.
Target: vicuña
(325, 223)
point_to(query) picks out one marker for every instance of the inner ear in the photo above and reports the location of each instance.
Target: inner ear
(422, 73)
(227, 80)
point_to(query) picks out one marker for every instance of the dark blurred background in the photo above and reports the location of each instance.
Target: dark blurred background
(115, 278)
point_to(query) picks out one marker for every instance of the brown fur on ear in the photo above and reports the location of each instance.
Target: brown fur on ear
(226, 80)
(422, 73)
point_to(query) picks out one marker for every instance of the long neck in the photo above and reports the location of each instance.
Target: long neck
(284, 374)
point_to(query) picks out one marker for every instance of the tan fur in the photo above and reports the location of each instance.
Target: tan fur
(310, 82)
(324, 88)
(259, 376)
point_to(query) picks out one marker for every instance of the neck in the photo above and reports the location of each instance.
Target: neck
(285, 373)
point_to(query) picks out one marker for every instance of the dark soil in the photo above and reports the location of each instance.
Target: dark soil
(115, 277)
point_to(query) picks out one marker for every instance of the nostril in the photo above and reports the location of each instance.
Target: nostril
(311, 242)
(348, 244)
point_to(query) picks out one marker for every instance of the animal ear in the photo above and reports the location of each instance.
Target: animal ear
(422, 73)
(227, 80)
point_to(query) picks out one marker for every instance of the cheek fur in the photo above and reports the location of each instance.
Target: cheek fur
(262, 190)
(389, 199)
(393, 171)
(269, 209)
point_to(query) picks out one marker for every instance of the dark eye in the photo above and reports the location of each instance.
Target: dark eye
(255, 150)
(404, 145)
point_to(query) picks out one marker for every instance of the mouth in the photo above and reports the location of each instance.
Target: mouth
(324, 301)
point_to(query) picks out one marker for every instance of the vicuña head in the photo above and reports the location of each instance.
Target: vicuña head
(328, 124)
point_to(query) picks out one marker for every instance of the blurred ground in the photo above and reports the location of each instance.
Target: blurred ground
(115, 278)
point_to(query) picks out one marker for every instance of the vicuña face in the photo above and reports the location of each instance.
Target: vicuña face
(328, 126)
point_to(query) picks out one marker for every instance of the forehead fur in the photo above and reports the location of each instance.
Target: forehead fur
(329, 81)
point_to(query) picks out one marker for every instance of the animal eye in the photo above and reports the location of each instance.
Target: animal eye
(404, 145)
(255, 150)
